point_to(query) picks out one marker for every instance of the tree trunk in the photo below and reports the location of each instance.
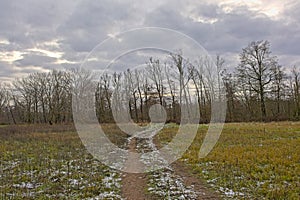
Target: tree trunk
(262, 105)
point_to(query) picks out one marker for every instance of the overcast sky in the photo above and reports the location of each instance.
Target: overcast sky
(39, 35)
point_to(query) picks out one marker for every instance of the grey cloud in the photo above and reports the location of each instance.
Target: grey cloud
(232, 31)
(5, 69)
(80, 25)
(9, 73)
(25, 23)
(287, 45)
(206, 10)
(90, 23)
(31, 59)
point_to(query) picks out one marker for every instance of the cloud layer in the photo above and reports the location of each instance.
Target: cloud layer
(41, 35)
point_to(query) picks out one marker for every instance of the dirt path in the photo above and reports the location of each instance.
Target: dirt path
(134, 184)
(191, 179)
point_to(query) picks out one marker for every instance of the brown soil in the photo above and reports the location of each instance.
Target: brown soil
(135, 184)
(189, 179)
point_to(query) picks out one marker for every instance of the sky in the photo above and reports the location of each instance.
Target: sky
(39, 35)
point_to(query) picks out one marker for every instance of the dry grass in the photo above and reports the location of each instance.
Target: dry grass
(251, 160)
(43, 162)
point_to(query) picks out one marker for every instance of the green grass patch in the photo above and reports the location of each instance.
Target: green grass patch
(42, 164)
(250, 160)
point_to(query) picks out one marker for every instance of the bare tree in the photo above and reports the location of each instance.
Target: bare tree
(146, 89)
(105, 82)
(44, 97)
(296, 90)
(3, 97)
(131, 90)
(230, 86)
(196, 74)
(117, 97)
(172, 90)
(60, 95)
(139, 90)
(184, 77)
(278, 86)
(134, 87)
(23, 94)
(156, 74)
(256, 68)
(220, 67)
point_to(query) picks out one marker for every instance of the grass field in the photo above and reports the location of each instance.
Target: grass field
(52, 163)
(250, 161)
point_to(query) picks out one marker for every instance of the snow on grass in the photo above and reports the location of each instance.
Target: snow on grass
(230, 193)
(53, 168)
(163, 183)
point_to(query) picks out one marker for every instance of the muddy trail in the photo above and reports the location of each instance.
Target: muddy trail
(173, 182)
(134, 184)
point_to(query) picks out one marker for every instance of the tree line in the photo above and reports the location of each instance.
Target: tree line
(258, 89)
